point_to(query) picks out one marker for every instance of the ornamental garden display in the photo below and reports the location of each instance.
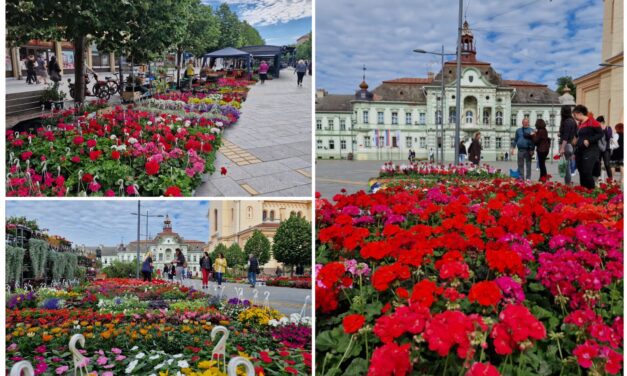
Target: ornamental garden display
(466, 276)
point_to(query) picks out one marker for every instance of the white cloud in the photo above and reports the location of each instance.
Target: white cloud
(539, 42)
(270, 12)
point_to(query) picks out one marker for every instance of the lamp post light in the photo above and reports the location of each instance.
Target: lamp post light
(139, 215)
(611, 65)
(439, 134)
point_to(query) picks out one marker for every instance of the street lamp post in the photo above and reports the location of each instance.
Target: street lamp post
(458, 87)
(139, 215)
(439, 132)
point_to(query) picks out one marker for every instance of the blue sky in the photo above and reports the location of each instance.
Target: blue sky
(106, 222)
(280, 22)
(534, 40)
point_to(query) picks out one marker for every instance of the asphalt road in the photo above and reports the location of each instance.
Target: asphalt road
(286, 300)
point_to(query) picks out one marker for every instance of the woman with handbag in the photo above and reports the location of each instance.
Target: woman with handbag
(474, 151)
(543, 143)
(206, 268)
(147, 267)
(181, 264)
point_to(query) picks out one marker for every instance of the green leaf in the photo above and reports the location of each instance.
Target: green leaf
(357, 367)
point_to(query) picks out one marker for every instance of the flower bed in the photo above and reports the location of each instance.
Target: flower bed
(428, 170)
(295, 282)
(471, 277)
(124, 152)
(173, 336)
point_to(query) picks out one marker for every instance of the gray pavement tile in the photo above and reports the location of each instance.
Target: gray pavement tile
(276, 182)
(295, 162)
(300, 191)
(228, 187)
(265, 168)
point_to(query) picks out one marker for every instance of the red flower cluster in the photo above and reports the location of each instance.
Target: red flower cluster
(353, 323)
(517, 325)
(390, 360)
(486, 293)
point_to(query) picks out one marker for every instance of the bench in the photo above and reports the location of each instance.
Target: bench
(22, 106)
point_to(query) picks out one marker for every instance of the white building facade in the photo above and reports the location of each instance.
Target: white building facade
(402, 114)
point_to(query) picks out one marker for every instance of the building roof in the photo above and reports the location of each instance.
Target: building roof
(334, 103)
(393, 91)
(535, 95)
(517, 83)
(409, 80)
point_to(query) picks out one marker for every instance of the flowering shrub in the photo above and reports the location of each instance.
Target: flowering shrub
(259, 315)
(130, 333)
(470, 277)
(295, 282)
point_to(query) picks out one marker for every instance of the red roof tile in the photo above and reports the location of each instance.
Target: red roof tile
(521, 83)
(409, 80)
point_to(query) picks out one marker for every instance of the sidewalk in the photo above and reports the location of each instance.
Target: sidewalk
(268, 151)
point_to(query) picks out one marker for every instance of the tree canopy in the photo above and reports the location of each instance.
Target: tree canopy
(234, 255)
(564, 81)
(258, 245)
(292, 242)
(303, 50)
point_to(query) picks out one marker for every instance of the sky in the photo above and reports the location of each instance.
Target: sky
(106, 222)
(280, 22)
(533, 40)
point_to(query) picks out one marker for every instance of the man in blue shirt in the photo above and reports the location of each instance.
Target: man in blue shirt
(524, 142)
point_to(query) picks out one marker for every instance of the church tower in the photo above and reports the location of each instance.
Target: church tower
(363, 92)
(167, 224)
(469, 51)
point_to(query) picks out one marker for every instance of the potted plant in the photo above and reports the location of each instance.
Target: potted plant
(52, 96)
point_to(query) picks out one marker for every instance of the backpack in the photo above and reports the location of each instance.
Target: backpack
(602, 144)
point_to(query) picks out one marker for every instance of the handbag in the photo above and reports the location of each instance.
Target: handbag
(563, 166)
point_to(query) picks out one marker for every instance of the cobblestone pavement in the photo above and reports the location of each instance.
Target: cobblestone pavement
(268, 151)
(285, 299)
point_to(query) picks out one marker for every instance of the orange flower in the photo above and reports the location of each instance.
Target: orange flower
(46, 337)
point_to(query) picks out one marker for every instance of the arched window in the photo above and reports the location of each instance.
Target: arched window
(438, 117)
(499, 117)
(452, 117)
(300, 213)
(265, 215)
(249, 212)
(468, 117)
(272, 215)
(160, 256)
(168, 254)
(292, 213)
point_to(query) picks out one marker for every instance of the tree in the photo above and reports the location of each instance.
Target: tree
(292, 242)
(303, 50)
(564, 81)
(235, 256)
(258, 245)
(229, 27)
(250, 35)
(120, 269)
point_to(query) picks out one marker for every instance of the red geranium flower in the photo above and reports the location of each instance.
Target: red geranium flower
(353, 323)
(486, 293)
(78, 140)
(115, 155)
(173, 191)
(390, 359)
(223, 171)
(88, 178)
(483, 369)
(152, 167)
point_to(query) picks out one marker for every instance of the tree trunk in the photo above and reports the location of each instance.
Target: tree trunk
(179, 52)
(121, 73)
(79, 68)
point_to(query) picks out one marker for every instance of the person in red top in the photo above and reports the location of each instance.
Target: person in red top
(587, 151)
(263, 71)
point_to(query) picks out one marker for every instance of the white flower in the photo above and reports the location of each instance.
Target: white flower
(170, 361)
(177, 356)
(187, 123)
(134, 348)
(131, 366)
(284, 320)
(113, 137)
(219, 123)
(183, 364)
(295, 318)
(132, 140)
(141, 355)
(149, 123)
(156, 356)
(160, 365)
(273, 322)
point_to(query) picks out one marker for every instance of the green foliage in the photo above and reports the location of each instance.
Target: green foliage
(80, 273)
(292, 242)
(203, 31)
(71, 264)
(564, 81)
(38, 250)
(234, 255)
(14, 263)
(303, 50)
(250, 35)
(23, 221)
(120, 269)
(229, 27)
(258, 245)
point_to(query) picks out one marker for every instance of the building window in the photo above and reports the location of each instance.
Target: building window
(452, 138)
(332, 144)
(272, 215)
(539, 116)
(319, 124)
(468, 117)
(381, 139)
(365, 117)
(343, 144)
(527, 116)
(249, 212)
(438, 117)
(486, 117)
(499, 117)
(331, 124)
(407, 118)
(168, 254)
(514, 120)
(292, 213)
(394, 117)
(319, 143)
(215, 219)
(499, 143)
(486, 142)
(422, 118)
(452, 116)
(552, 120)
(379, 117)
(408, 142)
(342, 124)
(300, 213)
(367, 141)
(265, 215)
(423, 142)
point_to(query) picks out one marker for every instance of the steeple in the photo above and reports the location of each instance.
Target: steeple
(469, 52)
(167, 224)
(363, 93)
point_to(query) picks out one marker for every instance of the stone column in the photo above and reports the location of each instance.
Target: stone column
(112, 62)
(89, 60)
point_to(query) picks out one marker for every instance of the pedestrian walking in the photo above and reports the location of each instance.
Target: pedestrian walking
(40, 70)
(181, 264)
(31, 77)
(253, 270)
(431, 155)
(567, 134)
(263, 71)
(206, 267)
(523, 141)
(301, 69)
(587, 151)
(219, 267)
(189, 73)
(543, 144)
(617, 153)
(172, 273)
(54, 71)
(147, 267)
(309, 67)
(462, 152)
(474, 150)
(606, 152)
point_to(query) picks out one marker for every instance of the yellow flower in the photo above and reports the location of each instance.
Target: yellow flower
(206, 364)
